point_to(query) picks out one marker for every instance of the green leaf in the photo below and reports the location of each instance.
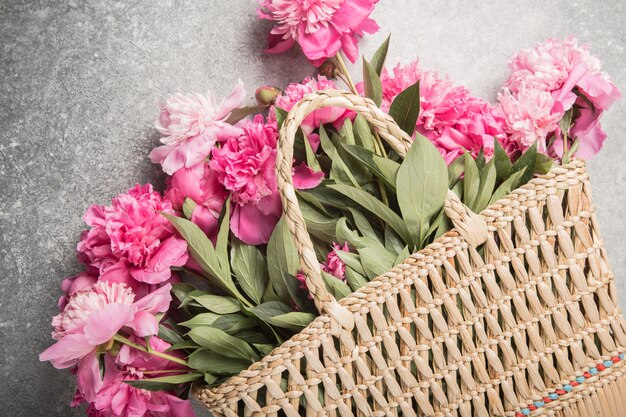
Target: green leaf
(363, 133)
(528, 161)
(370, 203)
(200, 320)
(203, 252)
(487, 183)
(188, 207)
(544, 163)
(376, 262)
(471, 181)
(405, 108)
(507, 186)
(205, 360)
(393, 243)
(351, 260)
(480, 159)
(378, 59)
(383, 168)
(311, 159)
(250, 269)
(295, 320)
(264, 348)
(218, 303)
(221, 245)
(372, 84)
(422, 185)
(337, 287)
(318, 224)
(234, 323)
(354, 279)
(169, 335)
(181, 290)
(363, 225)
(241, 113)
(455, 169)
(270, 309)
(282, 256)
(164, 383)
(402, 256)
(221, 342)
(339, 170)
(502, 162)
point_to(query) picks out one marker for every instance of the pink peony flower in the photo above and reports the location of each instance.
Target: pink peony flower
(200, 184)
(529, 116)
(453, 119)
(114, 397)
(191, 124)
(333, 265)
(328, 115)
(573, 78)
(130, 241)
(72, 285)
(321, 27)
(94, 315)
(245, 166)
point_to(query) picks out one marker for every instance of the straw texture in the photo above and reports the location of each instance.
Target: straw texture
(500, 313)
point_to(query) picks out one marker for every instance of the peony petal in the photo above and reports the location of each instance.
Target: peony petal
(234, 100)
(66, 352)
(203, 217)
(277, 45)
(179, 407)
(150, 277)
(88, 376)
(251, 225)
(304, 177)
(103, 324)
(144, 324)
(157, 301)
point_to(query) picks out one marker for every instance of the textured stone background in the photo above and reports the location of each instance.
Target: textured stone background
(80, 81)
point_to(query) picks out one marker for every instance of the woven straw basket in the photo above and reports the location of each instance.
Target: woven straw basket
(512, 313)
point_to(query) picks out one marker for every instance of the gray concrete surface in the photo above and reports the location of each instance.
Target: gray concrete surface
(79, 85)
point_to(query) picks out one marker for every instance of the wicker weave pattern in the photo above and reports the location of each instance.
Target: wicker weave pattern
(459, 330)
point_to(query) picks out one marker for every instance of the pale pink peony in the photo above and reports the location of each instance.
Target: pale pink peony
(573, 78)
(453, 119)
(245, 166)
(94, 315)
(191, 124)
(130, 241)
(529, 116)
(200, 184)
(327, 115)
(72, 285)
(321, 27)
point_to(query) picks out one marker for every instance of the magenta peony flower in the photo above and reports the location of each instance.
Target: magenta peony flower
(130, 241)
(200, 184)
(115, 398)
(321, 27)
(453, 119)
(245, 166)
(191, 124)
(334, 265)
(94, 315)
(573, 78)
(328, 115)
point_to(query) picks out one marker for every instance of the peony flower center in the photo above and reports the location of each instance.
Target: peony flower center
(85, 302)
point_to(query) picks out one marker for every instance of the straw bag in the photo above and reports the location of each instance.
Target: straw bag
(512, 313)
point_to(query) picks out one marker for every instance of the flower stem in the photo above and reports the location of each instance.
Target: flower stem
(343, 73)
(132, 344)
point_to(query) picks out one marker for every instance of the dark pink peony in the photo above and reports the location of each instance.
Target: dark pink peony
(130, 241)
(453, 119)
(200, 184)
(321, 27)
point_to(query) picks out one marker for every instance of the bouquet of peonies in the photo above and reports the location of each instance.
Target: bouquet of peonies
(194, 285)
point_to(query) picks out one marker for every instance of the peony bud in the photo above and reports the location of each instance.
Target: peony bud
(328, 69)
(266, 95)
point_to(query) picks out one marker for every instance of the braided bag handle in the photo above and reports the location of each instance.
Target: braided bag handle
(470, 226)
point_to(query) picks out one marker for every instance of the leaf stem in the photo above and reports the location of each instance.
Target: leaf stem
(134, 345)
